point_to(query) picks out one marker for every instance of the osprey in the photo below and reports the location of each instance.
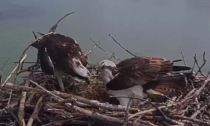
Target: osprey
(137, 76)
(60, 55)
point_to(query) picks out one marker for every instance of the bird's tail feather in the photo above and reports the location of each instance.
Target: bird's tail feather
(181, 68)
(167, 85)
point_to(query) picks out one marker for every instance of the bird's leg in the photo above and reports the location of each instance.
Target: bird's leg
(58, 74)
(60, 82)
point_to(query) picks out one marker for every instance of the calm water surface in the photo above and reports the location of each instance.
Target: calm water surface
(146, 27)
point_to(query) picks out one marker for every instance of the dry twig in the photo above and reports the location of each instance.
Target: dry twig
(198, 111)
(149, 111)
(56, 25)
(21, 110)
(183, 59)
(13, 71)
(89, 113)
(104, 49)
(191, 119)
(9, 108)
(34, 35)
(93, 48)
(121, 45)
(35, 112)
(200, 67)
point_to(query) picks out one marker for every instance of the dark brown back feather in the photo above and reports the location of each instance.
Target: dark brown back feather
(167, 84)
(61, 50)
(140, 71)
(170, 86)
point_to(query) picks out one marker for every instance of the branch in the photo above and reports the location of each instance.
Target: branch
(149, 110)
(193, 65)
(60, 122)
(10, 96)
(146, 123)
(21, 110)
(88, 113)
(16, 67)
(93, 48)
(70, 96)
(104, 49)
(127, 112)
(42, 34)
(183, 59)
(35, 112)
(194, 93)
(34, 35)
(200, 67)
(97, 115)
(23, 88)
(121, 46)
(93, 102)
(8, 108)
(29, 62)
(191, 119)
(55, 26)
(40, 38)
(111, 56)
(198, 111)
(146, 102)
(45, 90)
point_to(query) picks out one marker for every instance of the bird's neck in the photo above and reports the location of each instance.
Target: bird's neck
(106, 76)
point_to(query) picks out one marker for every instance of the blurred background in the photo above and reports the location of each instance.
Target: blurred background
(145, 27)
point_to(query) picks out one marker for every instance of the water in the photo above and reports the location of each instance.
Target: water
(145, 27)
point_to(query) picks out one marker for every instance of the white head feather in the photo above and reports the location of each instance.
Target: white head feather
(107, 63)
(106, 73)
(79, 68)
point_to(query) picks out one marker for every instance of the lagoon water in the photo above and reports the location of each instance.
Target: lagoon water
(145, 27)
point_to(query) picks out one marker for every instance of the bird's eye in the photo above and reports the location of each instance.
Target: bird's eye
(103, 67)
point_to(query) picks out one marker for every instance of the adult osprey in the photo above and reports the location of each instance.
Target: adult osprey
(60, 55)
(132, 77)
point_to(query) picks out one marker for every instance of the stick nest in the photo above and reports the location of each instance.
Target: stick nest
(36, 102)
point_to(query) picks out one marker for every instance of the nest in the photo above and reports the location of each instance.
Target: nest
(36, 102)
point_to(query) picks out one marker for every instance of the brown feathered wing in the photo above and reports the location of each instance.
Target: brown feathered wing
(140, 71)
(62, 50)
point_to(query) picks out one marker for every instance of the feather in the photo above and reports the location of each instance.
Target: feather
(145, 71)
(45, 62)
(61, 53)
